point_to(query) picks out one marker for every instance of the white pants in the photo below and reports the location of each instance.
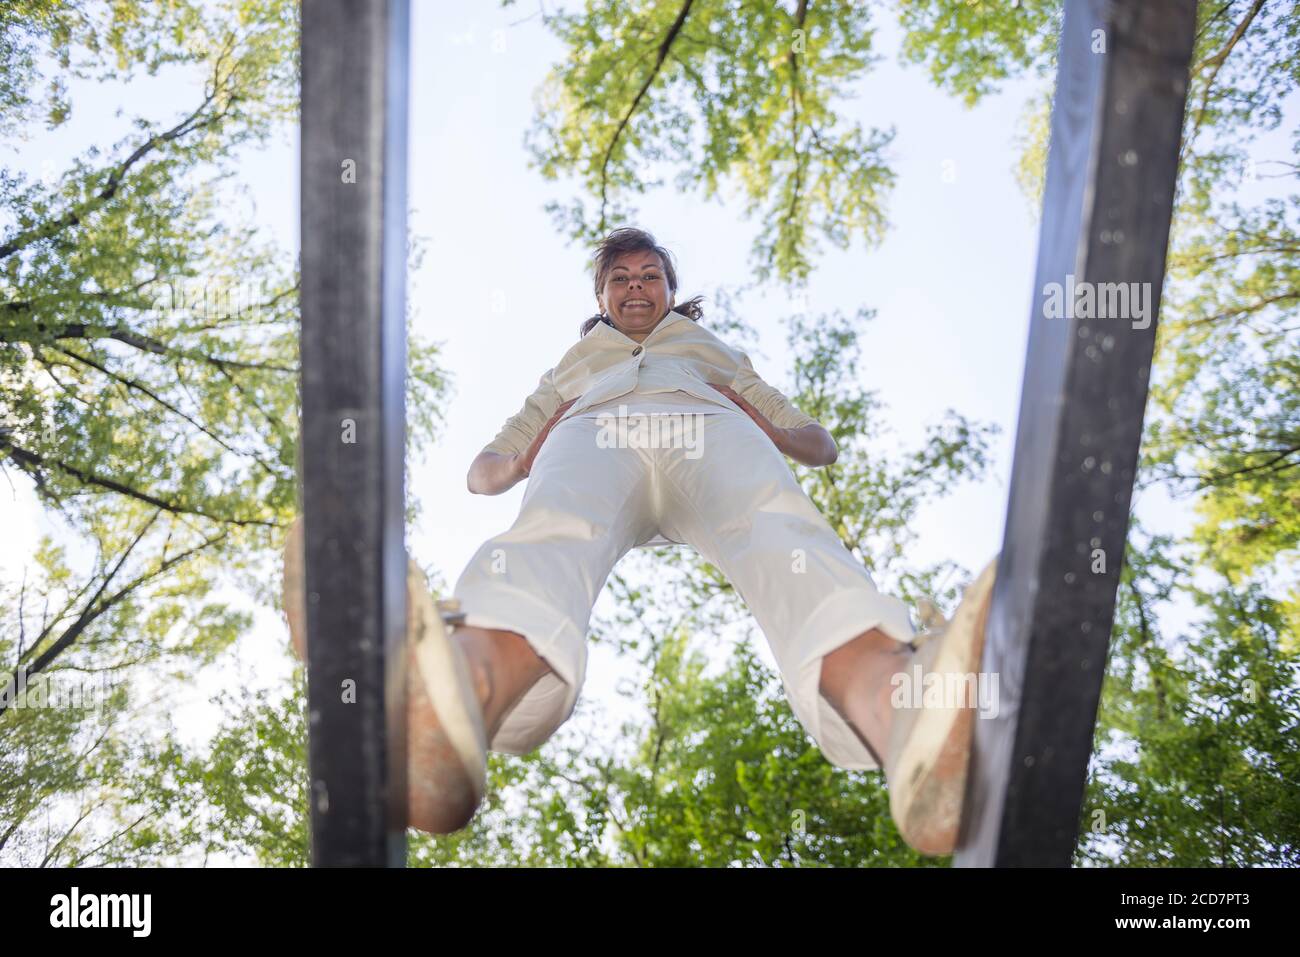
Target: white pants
(722, 487)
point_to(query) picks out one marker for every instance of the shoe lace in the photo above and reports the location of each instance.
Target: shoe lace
(933, 621)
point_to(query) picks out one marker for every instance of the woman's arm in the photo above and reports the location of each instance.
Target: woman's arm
(492, 473)
(506, 459)
(809, 445)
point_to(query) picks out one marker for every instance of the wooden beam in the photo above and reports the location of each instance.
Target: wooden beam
(1112, 166)
(353, 221)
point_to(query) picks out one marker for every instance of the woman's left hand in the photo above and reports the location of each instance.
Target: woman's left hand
(775, 434)
(810, 445)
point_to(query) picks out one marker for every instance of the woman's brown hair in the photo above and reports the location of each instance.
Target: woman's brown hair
(629, 239)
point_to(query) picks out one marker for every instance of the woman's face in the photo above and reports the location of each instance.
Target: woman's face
(636, 295)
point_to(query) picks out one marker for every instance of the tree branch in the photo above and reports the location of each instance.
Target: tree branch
(664, 47)
(1214, 64)
(32, 461)
(134, 384)
(97, 608)
(114, 182)
(40, 332)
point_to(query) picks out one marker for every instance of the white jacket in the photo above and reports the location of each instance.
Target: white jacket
(679, 353)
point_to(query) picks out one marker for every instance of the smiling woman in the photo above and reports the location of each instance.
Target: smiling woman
(636, 284)
(527, 593)
(635, 294)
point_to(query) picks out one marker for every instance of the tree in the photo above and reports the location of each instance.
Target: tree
(148, 347)
(1197, 752)
(1195, 762)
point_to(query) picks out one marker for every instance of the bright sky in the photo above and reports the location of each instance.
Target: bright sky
(951, 283)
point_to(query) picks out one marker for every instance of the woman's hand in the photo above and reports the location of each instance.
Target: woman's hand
(492, 473)
(526, 460)
(759, 419)
(810, 445)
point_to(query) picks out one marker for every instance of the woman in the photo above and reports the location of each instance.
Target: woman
(508, 674)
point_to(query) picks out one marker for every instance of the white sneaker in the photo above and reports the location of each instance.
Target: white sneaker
(449, 686)
(929, 748)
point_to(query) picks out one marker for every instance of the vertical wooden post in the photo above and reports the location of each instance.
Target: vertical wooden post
(1112, 167)
(353, 221)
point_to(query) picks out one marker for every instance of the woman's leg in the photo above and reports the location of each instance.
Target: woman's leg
(504, 667)
(501, 663)
(585, 505)
(836, 639)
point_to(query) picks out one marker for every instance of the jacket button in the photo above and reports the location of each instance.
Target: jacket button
(636, 351)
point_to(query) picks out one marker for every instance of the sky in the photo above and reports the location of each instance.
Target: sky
(951, 283)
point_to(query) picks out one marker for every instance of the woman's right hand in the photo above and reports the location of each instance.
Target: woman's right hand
(526, 461)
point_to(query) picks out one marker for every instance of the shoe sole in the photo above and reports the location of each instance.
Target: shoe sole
(458, 785)
(927, 801)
